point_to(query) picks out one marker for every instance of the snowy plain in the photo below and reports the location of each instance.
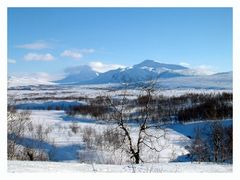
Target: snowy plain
(61, 167)
(69, 147)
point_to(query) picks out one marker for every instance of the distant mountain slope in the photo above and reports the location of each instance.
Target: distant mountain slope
(159, 66)
(166, 75)
(143, 71)
(30, 79)
(215, 81)
(78, 74)
(125, 75)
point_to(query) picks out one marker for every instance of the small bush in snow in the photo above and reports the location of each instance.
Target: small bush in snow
(74, 127)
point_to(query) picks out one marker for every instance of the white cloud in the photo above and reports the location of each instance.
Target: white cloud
(38, 45)
(38, 57)
(198, 70)
(72, 53)
(100, 67)
(205, 69)
(185, 64)
(76, 53)
(12, 61)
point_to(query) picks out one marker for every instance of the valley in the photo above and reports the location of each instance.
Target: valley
(86, 124)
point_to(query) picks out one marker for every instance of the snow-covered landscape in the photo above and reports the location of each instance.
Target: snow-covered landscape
(63, 143)
(69, 145)
(136, 90)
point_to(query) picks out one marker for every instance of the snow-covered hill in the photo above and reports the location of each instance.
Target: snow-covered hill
(215, 81)
(30, 79)
(143, 71)
(78, 74)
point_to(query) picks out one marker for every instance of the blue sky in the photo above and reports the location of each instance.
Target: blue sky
(53, 39)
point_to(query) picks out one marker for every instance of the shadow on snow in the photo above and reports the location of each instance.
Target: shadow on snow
(56, 153)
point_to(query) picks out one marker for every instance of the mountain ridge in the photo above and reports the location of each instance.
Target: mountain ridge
(143, 71)
(165, 75)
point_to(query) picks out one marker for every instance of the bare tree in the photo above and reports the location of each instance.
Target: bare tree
(122, 116)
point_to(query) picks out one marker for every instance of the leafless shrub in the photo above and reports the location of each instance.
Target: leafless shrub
(17, 123)
(88, 137)
(215, 144)
(107, 139)
(74, 127)
(113, 138)
(199, 149)
(19, 127)
(221, 142)
(32, 154)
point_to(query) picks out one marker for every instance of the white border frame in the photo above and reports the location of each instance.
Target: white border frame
(235, 4)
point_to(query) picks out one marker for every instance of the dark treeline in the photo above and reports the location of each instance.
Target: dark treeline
(190, 107)
(211, 109)
(93, 107)
(185, 108)
(93, 110)
(48, 98)
(163, 109)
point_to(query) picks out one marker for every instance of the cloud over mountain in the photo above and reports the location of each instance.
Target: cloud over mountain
(101, 67)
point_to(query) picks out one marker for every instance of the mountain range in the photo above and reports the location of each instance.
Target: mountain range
(165, 75)
(144, 71)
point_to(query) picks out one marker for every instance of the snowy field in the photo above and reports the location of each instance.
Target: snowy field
(57, 167)
(70, 154)
(39, 94)
(68, 146)
(68, 150)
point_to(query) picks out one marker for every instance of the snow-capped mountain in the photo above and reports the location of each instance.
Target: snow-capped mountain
(166, 75)
(79, 74)
(156, 66)
(143, 71)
